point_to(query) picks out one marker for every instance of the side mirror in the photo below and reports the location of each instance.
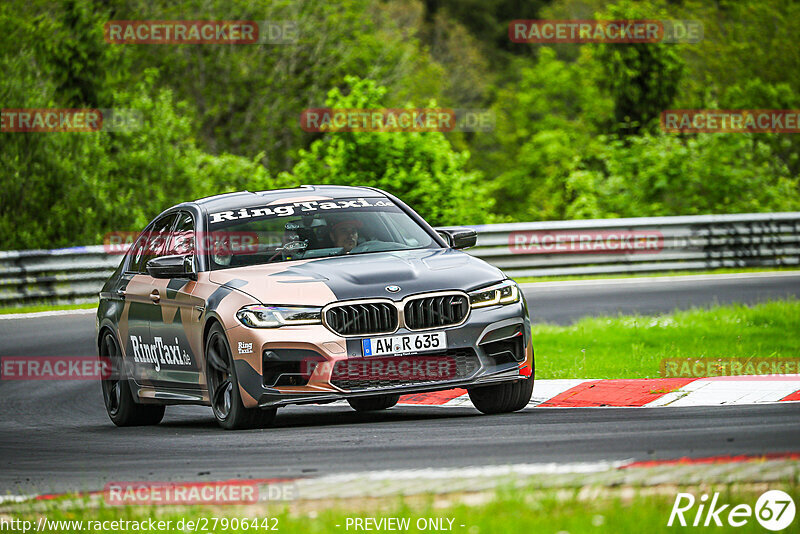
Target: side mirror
(176, 266)
(458, 237)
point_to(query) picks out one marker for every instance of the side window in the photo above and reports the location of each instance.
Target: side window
(151, 244)
(137, 252)
(182, 239)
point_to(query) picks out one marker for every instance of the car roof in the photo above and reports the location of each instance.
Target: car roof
(304, 192)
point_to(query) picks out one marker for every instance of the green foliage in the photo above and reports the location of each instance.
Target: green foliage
(584, 143)
(576, 125)
(662, 174)
(420, 167)
(73, 45)
(107, 181)
(544, 119)
(743, 40)
(488, 21)
(642, 79)
(249, 97)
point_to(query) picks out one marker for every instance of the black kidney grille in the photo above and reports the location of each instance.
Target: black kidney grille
(347, 376)
(432, 312)
(362, 319)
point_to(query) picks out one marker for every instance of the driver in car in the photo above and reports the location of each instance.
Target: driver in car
(345, 234)
(222, 249)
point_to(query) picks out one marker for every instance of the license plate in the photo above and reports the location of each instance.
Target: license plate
(408, 344)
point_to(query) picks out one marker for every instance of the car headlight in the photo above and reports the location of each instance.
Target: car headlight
(506, 292)
(258, 316)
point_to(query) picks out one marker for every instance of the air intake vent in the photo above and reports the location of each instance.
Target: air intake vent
(362, 319)
(434, 312)
(375, 373)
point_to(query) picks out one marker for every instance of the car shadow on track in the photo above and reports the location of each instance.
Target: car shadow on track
(296, 417)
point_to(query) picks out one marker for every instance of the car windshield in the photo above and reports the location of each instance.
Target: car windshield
(311, 229)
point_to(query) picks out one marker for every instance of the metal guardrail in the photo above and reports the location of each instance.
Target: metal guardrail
(549, 248)
(640, 245)
(70, 275)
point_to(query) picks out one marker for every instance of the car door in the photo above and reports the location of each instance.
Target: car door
(176, 327)
(133, 323)
(143, 355)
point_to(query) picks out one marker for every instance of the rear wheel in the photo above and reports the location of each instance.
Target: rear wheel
(223, 387)
(502, 398)
(117, 396)
(372, 404)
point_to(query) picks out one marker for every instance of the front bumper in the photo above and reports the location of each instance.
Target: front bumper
(298, 365)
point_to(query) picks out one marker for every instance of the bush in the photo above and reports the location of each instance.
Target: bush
(61, 189)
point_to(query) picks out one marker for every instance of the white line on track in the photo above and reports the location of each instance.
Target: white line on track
(15, 498)
(52, 313)
(477, 471)
(566, 284)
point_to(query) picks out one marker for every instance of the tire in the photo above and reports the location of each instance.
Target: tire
(372, 404)
(502, 398)
(121, 407)
(223, 387)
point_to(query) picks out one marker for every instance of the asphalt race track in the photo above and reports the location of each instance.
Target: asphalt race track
(56, 436)
(563, 302)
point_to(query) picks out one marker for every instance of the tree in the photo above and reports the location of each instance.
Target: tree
(642, 78)
(419, 167)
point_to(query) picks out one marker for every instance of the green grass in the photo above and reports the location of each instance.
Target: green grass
(528, 279)
(573, 510)
(47, 307)
(633, 346)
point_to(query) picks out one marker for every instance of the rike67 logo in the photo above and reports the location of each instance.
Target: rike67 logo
(774, 510)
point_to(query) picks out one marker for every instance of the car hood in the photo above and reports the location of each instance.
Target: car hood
(325, 280)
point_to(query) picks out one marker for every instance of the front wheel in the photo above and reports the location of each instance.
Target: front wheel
(223, 387)
(502, 398)
(372, 404)
(122, 409)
